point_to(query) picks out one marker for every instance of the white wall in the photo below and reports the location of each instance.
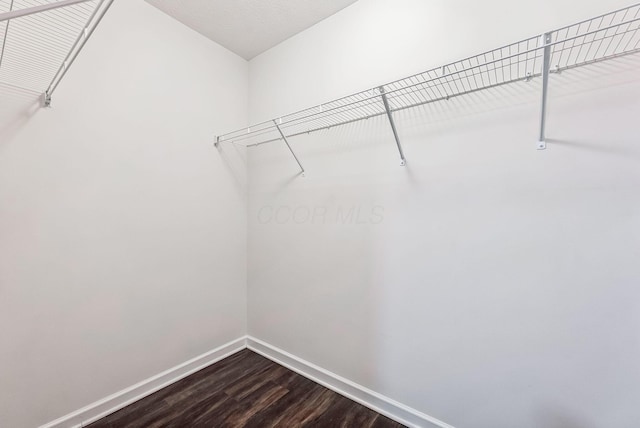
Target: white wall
(487, 284)
(122, 229)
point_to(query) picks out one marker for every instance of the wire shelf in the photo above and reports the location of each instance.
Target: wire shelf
(604, 37)
(36, 50)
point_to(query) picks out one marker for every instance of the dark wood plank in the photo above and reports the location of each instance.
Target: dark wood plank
(259, 399)
(300, 390)
(249, 384)
(384, 422)
(245, 390)
(205, 414)
(334, 416)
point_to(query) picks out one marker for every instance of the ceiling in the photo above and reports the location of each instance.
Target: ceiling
(250, 27)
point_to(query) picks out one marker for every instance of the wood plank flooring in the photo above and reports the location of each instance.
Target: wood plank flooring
(245, 390)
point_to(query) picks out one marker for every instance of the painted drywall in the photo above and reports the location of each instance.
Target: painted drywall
(487, 284)
(122, 228)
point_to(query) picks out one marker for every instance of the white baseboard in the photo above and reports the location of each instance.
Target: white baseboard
(117, 401)
(358, 393)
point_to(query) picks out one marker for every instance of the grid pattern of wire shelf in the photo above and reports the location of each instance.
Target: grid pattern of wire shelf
(36, 50)
(604, 37)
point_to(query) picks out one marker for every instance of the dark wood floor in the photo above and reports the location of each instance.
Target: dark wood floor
(245, 390)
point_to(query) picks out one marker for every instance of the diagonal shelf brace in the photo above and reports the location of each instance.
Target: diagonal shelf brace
(545, 40)
(284, 138)
(93, 22)
(385, 101)
(38, 9)
(4, 38)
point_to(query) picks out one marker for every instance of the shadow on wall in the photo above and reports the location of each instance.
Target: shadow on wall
(18, 106)
(611, 150)
(555, 417)
(234, 159)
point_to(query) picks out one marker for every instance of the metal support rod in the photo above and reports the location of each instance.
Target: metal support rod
(4, 38)
(385, 101)
(546, 66)
(79, 44)
(37, 9)
(287, 143)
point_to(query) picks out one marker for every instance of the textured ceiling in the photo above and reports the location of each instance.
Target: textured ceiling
(250, 27)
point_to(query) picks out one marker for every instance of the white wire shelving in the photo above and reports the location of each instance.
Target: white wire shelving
(604, 37)
(40, 40)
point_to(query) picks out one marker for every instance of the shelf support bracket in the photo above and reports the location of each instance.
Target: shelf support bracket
(545, 40)
(46, 100)
(284, 138)
(385, 101)
(98, 13)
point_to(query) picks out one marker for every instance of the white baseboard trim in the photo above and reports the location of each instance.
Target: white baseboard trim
(117, 401)
(397, 411)
(358, 393)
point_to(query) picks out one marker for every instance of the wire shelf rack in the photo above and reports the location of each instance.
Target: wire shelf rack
(597, 39)
(37, 49)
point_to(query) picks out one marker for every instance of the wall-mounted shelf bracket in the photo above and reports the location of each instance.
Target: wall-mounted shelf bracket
(284, 138)
(385, 101)
(46, 99)
(545, 41)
